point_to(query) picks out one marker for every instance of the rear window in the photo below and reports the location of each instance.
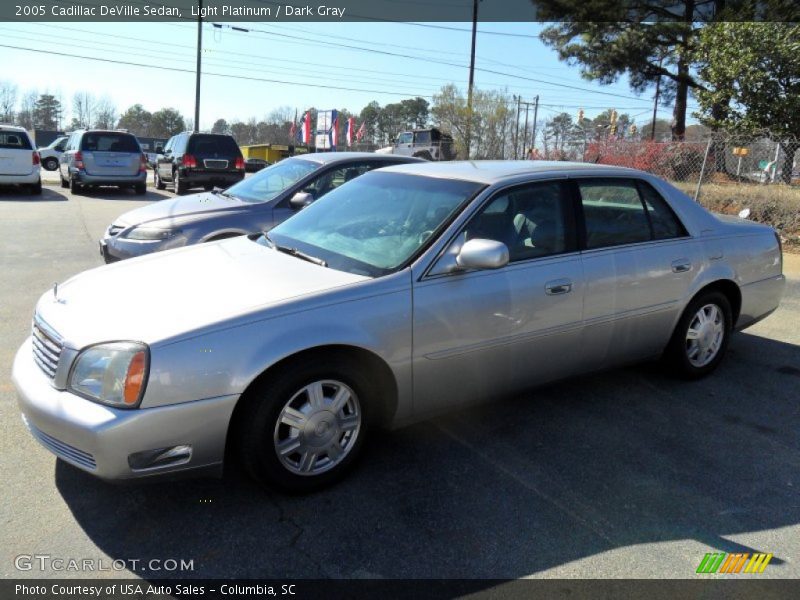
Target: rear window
(110, 142)
(12, 140)
(213, 144)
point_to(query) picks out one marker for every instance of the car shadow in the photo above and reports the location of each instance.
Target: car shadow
(503, 490)
(13, 194)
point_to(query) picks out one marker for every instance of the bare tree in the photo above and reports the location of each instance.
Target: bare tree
(8, 101)
(25, 116)
(105, 113)
(83, 109)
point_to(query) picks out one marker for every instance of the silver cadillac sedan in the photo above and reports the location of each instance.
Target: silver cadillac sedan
(405, 292)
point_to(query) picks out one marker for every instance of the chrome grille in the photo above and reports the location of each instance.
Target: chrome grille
(215, 164)
(61, 449)
(47, 347)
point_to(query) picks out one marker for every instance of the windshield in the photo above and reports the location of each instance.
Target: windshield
(56, 142)
(374, 224)
(269, 182)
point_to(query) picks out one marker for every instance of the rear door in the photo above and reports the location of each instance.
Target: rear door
(16, 153)
(111, 153)
(214, 153)
(639, 264)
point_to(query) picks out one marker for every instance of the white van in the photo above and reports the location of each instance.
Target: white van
(19, 161)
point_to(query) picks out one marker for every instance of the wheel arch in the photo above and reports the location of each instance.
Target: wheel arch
(730, 290)
(385, 379)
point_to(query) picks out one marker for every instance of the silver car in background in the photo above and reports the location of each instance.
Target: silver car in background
(255, 204)
(99, 157)
(409, 291)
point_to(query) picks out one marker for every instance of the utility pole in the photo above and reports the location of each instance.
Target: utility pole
(471, 75)
(535, 116)
(655, 103)
(525, 133)
(197, 77)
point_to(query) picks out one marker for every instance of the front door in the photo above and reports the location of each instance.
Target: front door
(481, 334)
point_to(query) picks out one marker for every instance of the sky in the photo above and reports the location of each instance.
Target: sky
(298, 65)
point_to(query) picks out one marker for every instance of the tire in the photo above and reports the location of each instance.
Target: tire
(425, 155)
(701, 336)
(51, 164)
(309, 461)
(140, 188)
(64, 182)
(75, 187)
(180, 186)
(160, 185)
(36, 188)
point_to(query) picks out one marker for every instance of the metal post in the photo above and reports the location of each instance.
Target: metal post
(516, 130)
(702, 170)
(199, 54)
(535, 116)
(471, 75)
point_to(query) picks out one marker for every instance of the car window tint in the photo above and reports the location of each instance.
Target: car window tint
(109, 142)
(14, 141)
(213, 144)
(613, 212)
(333, 179)
(665, 224)
(530, 220)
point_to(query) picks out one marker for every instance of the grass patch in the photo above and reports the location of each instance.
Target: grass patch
(775, 204)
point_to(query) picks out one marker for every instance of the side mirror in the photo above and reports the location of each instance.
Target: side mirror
(482, 254)
(300, 200)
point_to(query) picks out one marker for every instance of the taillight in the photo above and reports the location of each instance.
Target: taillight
(35, 158)
(189, 161)
(143, 164)
(239, 164)
(78, 160)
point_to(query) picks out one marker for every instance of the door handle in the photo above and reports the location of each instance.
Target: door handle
(682, 265)
(558, 286)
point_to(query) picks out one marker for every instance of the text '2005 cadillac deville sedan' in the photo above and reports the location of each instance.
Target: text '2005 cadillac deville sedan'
(405, 292)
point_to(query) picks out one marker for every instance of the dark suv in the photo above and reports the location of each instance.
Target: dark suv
(206, 160)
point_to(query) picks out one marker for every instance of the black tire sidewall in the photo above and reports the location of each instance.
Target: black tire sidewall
(49, 161)
(264, 404)
(677, 349)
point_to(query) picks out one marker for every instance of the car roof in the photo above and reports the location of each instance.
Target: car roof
(327, 158)
(6, 127)
(492, 171)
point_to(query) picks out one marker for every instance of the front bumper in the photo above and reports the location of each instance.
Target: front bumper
(114, 248)
(99, 439)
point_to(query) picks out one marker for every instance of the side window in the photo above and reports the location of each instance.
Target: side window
(330, 180)
(531, 220)
(61, 145)
(665, 224)
(405, 138)
(613, 212)
(423, 138)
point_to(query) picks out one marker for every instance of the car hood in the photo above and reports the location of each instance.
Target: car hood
(168, 294)
(180, 206)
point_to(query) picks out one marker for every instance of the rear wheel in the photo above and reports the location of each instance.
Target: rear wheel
(303, 429)
(64, 182)
(160, 185)
(180, 186)
(51, 164)
(701, 337)
(140, 188)
(75, 187)
(36, 188)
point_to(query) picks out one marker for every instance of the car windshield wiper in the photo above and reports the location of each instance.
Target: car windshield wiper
(224, 193)
(296, 253)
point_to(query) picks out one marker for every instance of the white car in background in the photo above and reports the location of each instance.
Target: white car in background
(51, 153)
(19, 161)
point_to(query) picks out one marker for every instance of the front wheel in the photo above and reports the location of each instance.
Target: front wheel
(303, 429)
(701, 337)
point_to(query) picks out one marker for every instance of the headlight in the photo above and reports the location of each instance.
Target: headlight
(151, 233)
(114, 373)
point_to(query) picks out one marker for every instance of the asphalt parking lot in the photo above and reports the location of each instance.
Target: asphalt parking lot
(625, 474)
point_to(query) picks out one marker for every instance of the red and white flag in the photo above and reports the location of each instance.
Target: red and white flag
(304, 135)
(349, 132)
(362, 131)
